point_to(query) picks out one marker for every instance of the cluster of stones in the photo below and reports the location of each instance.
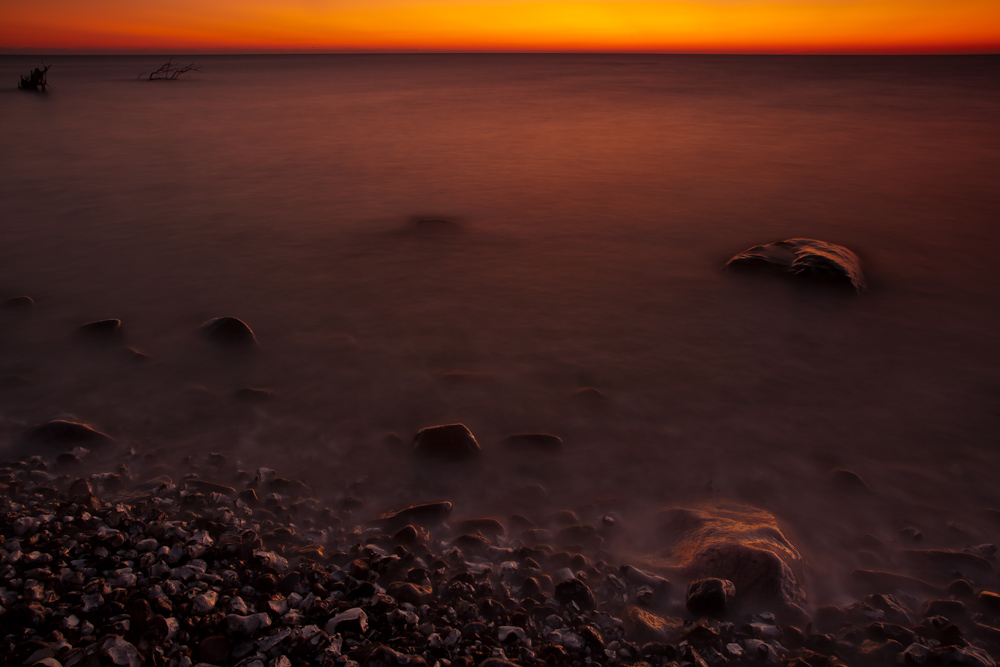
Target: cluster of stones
(226, 567)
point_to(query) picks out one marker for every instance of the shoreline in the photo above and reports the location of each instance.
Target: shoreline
(212, 564)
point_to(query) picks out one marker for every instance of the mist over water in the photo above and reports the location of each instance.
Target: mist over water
(595, 200)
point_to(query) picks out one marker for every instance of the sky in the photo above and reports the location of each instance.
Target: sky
(671, 26)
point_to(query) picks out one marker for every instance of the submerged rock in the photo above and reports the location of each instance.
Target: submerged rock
(450, 441)
(806, 258)
(534, 442)
(229, 332)
(101, 330)
(64, 433)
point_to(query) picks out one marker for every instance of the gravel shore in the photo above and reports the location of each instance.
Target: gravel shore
(218, 565)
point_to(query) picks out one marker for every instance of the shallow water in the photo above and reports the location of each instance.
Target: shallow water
(596, 199)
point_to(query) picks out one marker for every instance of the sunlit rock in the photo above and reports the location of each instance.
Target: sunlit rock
(450, 441)
(741, 544)
(806, 258)
(229, 332)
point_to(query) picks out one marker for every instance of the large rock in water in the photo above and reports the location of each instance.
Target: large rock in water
(450, 441)
(807, 258)
(740, 544)
(229, 332)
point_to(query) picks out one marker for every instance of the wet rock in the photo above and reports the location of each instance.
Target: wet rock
(574, 591)
(120, 652)
(248, 625)
(490, 528)
(710, 597)
(643, 626)
(353, 620)
(214, 649)
(533, 442)
(64, 433)
(19, 303)
(805, 258)
(849, 481)
(878, 581)
(450, 441)
(101, 330)
(415, 594)
(741, 544)
(254, 395)
(426, 514)
(230, 332)
(947, 608)
(945, 562)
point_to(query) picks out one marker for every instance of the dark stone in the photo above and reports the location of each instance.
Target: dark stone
(945, 562)
(450, 441)
(214, 650)
(404, 591)
(990, 600)
(486, 527)
(63, 433)
(710, 597)
(229, 332)
(254, 395)
(101, 330)
(849, 481)
(590, 394)
(534, 442)
(643, 626)
(947, 608)
(19, 303)
(575, 591)
(960, 588)
(805, 258)
(205, 486)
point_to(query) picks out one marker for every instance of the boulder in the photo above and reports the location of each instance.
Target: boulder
(742, 545)
(450, 441)
(805, 258)
(230, 332)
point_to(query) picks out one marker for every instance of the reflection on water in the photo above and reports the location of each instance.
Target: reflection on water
(593, 201)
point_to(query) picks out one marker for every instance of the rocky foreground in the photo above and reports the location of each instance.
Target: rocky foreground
(222, 566)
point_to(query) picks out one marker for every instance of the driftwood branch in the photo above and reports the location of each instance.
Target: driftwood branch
(36, 79)
(169, 71)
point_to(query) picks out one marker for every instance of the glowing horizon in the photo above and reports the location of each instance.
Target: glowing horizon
(677, 26)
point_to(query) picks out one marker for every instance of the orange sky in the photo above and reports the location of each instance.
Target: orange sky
(768, 26)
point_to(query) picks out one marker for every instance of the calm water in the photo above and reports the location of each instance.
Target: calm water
(598, 197)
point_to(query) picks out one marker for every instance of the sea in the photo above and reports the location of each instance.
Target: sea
(572, 280)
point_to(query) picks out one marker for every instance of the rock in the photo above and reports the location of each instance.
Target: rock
(533, 442)
(643, 626)
(807, 258)
(254, 395)
(120, 652)
(64, 433)
(849, 481)
(877, 581)
(229, 332)
(946, 563)
(205, 486)
(738, 543)
(450, 441)
(101, 330)
(710, 597)
(490, 528)
(214, 649)
(19, 303)
(248, 625)
(353, 620)
(590, 395)
(576, 592)
(415, 594)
